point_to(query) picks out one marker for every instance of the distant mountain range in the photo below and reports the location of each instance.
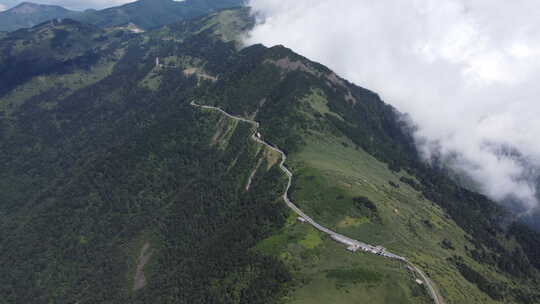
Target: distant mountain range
(30, 14)
(145, 14)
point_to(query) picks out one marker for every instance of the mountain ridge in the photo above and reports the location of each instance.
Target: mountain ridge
(101, 154)
(143, 13)
(28, 14)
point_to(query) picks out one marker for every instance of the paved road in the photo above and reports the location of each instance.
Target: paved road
(352, 244)
(430, 286)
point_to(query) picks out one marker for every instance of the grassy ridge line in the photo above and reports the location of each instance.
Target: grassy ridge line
(336, 236)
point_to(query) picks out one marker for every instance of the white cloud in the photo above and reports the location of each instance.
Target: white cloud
(2, 7)
(466, 70)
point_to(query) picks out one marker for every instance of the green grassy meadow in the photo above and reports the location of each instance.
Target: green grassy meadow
(330, 171)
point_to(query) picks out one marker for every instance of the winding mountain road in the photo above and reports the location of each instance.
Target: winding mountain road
(429, 284)
(353, 244)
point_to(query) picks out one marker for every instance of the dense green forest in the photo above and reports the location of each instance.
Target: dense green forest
(114, 164)
(113, 189)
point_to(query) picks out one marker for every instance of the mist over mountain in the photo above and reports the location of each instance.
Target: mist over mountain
(464, 70)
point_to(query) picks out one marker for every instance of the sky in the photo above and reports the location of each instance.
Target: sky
(465, 70)
(70, 4)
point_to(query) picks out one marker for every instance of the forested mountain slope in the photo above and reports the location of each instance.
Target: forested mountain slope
(113, 189)
(90, 177)
(327, 125)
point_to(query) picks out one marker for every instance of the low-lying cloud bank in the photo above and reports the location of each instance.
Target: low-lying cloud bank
(466, 71)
